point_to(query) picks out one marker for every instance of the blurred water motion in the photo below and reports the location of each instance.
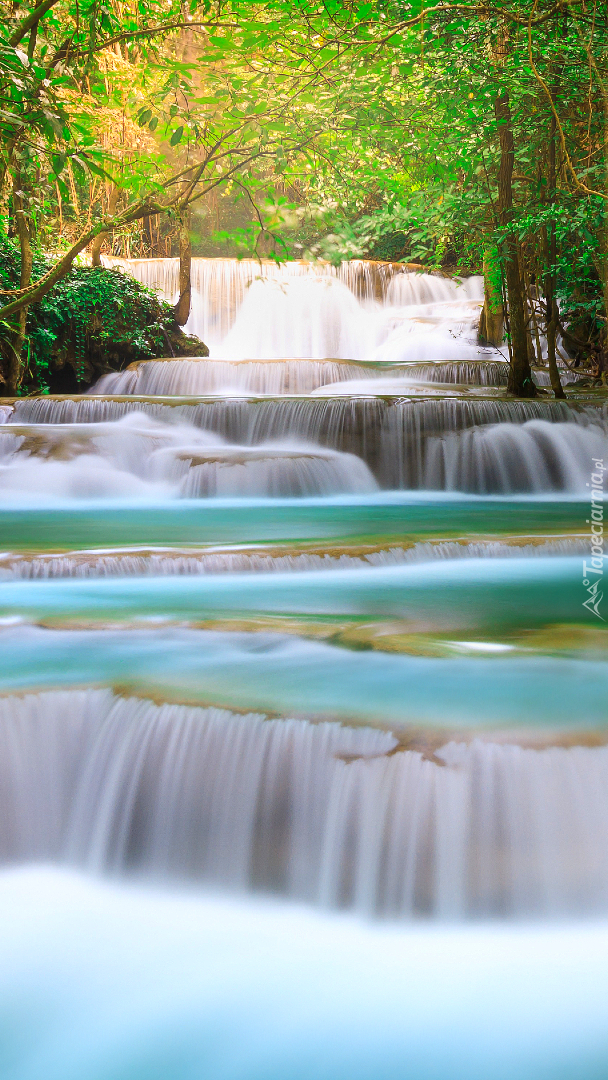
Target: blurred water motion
(290, 675)
(115, 983)
(303, 624)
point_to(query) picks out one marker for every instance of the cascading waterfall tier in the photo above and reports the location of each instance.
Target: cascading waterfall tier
(535, 456)
(331, 814)
(138, 455)
(220, 288)
(204, 377)
(379, 312)
(221, 285)
(252, 310)
(107, 563)
(400, 439)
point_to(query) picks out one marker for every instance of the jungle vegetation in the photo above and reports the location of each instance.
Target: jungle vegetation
(464, 137)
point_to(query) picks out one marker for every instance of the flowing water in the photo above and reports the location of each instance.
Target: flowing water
(304, 699)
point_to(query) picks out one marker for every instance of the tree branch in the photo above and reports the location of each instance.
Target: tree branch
(562, 138)
(31, 19)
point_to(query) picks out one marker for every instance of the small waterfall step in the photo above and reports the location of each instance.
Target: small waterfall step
(204, 377)
(153, 561)
(140, 456)
(321, 812)
(481, 443)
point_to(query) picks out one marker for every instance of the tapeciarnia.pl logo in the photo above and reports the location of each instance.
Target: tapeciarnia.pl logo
(593, 571)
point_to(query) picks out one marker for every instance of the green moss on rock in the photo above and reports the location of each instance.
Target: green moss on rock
(92, 322)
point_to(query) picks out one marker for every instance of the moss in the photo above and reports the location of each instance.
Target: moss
(92, 322)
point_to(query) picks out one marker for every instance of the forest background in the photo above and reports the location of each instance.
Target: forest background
(463, 138)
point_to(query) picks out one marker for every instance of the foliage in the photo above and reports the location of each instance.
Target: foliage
(93, 320)
(348, 129)
(415, 169)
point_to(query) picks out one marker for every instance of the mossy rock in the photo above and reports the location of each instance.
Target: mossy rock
(92, 322)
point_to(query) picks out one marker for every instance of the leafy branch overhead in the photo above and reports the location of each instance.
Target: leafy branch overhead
(462, 135)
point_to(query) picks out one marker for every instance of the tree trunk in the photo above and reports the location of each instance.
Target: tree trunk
(602, 263)
(550, 301)
(15, 337)
(491, 322)
(97, 244)
(520, 374)
(182, 308)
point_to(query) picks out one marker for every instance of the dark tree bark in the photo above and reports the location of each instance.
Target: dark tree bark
(182, 308)
(491, 321)
(550, 301)
(520, 373)
(603, 253)
(15, 337)
(98, 241)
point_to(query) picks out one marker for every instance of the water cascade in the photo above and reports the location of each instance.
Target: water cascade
(154, 562)
(251, 310)
(308, 631)
(319, 812)
(206, 377)
(138, 456)
(220, 286)
(535, 456)
(391, 435)
(365, 360)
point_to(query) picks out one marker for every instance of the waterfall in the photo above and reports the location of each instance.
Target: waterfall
(415, 290)
(138, 456)
(303, 317)
(261, 310)
(319, 812)
(533, 457)
(396, 438)
(380, 311)
(211, 377)
(380, 350)
(179, 561)
(206, 377)
(423, 442)
(219, 286)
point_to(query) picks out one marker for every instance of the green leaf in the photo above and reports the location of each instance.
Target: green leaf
(97, 170)
(176, 136)
(58, 161)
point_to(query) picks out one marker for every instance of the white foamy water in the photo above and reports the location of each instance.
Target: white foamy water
(434, 332)
(385, 385)
(107, 981)
(536, 456)
(206, 377)
(139, 457)
(309, 445)
(153, 562)
(321, 812)
(302, 317)
(379, 313)
(251, 310)
(220, 286)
